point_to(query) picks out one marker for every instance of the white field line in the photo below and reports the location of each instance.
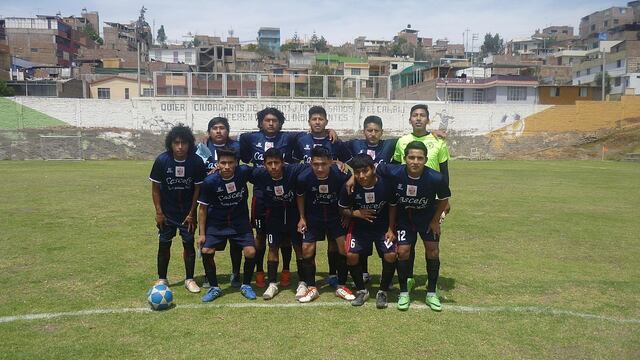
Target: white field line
(454, 308)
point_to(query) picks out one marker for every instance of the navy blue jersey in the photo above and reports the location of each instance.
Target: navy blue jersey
(306, 142)
(377, 198)
(213, 159)
(227, 211)
(321, 196)
(254, 144)
(177, 180)
(382, 152)
(282, 192)
(415, 198)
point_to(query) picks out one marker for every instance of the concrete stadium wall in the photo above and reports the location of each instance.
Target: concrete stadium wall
(345, 116)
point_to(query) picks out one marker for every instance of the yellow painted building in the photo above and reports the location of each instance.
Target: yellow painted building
(118, 87)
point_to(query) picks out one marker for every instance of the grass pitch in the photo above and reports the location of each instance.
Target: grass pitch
(529, 253)
(14, 116)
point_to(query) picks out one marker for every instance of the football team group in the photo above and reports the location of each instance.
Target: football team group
(310, 186)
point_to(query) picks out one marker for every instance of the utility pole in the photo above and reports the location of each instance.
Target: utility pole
(602, 77)
(474, 37)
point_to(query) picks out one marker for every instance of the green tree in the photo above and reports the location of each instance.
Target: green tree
(161, 38)
(493, 44)
(93, 35)
(319, 44)
(5, 90)
(251, 47)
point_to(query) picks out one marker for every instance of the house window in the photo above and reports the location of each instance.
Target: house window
(617, 81)
(175, 56)
(394, 66)
(554, 91)
(619, 63)
(593, 27)
(577, 73)
(516, 93)
(104, 93)
(355, 71)
(126, 93)
(158, 55)
(616, 21)
(606, 23)
(455, 95)
(583, 92)
(34, 50)
(478, 95)
(188, 57)
(589, 71)
(147, 92)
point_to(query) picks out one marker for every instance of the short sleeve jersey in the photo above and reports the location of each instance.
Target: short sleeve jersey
(437, 149)
(415, 197)
(381, 152)
(213, 159)
(227, 211)
(278, 193)
(306, 142)
(177, 180)
(377, 198)
(321, 195)
(254, 144)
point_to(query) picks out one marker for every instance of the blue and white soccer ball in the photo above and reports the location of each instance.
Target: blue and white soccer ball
(160, 297)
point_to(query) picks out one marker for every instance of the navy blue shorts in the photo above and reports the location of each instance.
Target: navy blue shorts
(360, 241)
(219, 242)
(317, 231)
(169, 232)
(281, 224)
(408, 236)
(257, 212)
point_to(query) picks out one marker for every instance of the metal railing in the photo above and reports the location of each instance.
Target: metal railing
(261, 85)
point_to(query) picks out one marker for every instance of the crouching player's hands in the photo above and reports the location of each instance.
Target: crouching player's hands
(201, 239)
(190, 222)
(160, 220)
(302, 226)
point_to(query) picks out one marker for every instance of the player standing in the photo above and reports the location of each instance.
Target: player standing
(176, 176)
(217, 138)
(319, 136)
(438, 156)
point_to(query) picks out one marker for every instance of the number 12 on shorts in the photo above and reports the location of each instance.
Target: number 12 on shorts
(402, 235)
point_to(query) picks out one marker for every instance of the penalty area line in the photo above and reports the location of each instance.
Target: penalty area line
(453, 308)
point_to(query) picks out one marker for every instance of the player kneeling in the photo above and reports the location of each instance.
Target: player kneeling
(223, 215)
(372, 211)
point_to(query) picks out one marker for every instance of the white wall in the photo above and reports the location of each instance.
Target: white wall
(166, 55)
(345, 116)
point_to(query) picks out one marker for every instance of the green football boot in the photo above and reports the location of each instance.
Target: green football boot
(434, 302)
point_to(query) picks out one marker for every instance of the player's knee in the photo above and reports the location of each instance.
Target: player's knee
(206, 250)
(390, 257)
(273, 254)
(249, 252)
(352, 259)
(188, 247)
(404, 253)
(432, 251)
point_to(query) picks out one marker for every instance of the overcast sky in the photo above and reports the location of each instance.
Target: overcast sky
(337, 21)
